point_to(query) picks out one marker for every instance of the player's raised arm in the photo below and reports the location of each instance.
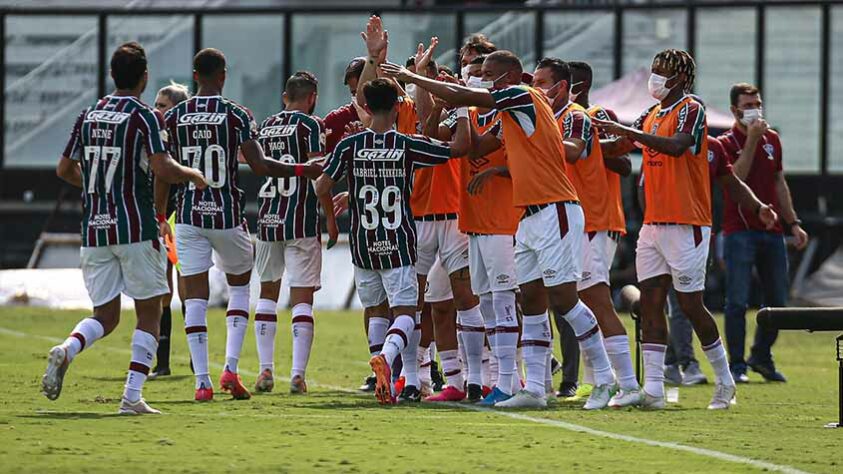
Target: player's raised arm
(376, 39)
(452, 93)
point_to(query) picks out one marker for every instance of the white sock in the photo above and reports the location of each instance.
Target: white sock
(423, 358)
(535, 343)
(486, 372)
(83, 336)
(236, 321)
(398, 336)
(548, 375)
(519, 381)
(487, 309)
(302, 337)
(474, 335)
(493, 369)
(590, 339)
(451, 368)
(378, 325)
(506, 340)
(617, 347)
(409, 356)
(716, 355)
(587, 371)
(196, 327)
(266, 325)
(144, 346)
(654, 368)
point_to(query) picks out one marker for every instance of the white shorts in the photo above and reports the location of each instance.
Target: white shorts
(548, 245)
(438, 287)
(442, 238)
(232, 248)
(677, 250)
(400, 286)
(302, 257)
(598, 252)
(492, 263)
(138, 270)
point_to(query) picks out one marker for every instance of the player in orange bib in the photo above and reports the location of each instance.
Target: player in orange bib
(550, 232)
(673, 243)
(585, 167)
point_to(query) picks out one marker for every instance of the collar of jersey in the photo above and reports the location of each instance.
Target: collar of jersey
(563, 109)
(667, 110)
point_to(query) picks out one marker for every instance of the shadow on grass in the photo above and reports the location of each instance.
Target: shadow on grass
(71, 415)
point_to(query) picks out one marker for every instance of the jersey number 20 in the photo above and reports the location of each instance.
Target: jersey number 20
(286, 186)
(376, 203)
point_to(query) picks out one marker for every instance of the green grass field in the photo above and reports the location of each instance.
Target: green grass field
(333, 429)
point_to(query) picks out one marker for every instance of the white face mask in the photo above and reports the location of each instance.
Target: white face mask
(547, 91)
(464, 72)
(411, 90)
(573, 97)
(474, 81)
(490, 84)
(656, 86)
(751, 115)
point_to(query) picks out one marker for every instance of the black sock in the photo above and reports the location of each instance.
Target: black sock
(164, 338)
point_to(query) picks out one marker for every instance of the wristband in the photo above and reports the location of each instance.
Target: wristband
(462, 112)
(298, 170)
(161, 218)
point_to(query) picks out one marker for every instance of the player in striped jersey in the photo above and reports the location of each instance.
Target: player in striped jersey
(550, 231)
(289, 234)
(114, 149)
(207, 132)
(379, 163)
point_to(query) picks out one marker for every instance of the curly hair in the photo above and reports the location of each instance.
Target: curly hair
(680, 62)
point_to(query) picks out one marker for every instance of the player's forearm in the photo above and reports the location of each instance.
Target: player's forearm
(740, 193)
(70, 172)
(621, 165)
(743, 164)
(369, 73)
(462, 138)
(424, 105)
(431, 123)
(166, 169)
(280, 170)
(573, 150)
(454, 94)
(673, 146)
(161, 193)
(616, 147)
(323, 186)
(788, 213)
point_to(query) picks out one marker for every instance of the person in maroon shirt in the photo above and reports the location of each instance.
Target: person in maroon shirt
(337, 120)
(755, 153)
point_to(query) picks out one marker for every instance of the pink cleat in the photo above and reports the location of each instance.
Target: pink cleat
(449, 394)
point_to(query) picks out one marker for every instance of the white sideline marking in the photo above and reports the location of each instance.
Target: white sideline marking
(517, 416)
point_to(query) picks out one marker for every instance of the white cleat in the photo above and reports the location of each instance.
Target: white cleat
(53, 379)
(724, 395)
(626, 398)
(139, 407)
(523, 399)
(599, 398)
(650, 402)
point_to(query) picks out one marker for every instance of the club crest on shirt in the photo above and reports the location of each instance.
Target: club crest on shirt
(770, 149)
(710, 156)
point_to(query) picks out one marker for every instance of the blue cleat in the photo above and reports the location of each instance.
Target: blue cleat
(495, 396)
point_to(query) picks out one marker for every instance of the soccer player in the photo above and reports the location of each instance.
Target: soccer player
(115, 148)
(289, 232)
(207, 132)
(379, 163)
(339, 119)
(673, 243)
(587, 171)
(167, 98)
(549, 234)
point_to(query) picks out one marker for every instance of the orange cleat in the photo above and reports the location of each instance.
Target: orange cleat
(449, 394)
(383, 387)
(204, 394)
(230, 382)
(265, 382)
(399, 384)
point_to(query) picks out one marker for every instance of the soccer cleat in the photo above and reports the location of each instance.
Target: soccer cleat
(298, 386)
(486, 390)
(650, 402)
(399, 384)
(230, 382)
(555, 365)
(672, 374)
(625, 398)
(53, 378)
(448, 394)
(204, 394)
(139, 407)
(474, 393)
(436, 377)
(567, 390)
(410, 394)
(584, 390)
(495, 396)
(599, 398)
(523, 399)
(740, 376)
(767, 370)
(693, 375)
(383, 385)
(368, 384)
(265, 382)
(159, 372)
(724, 395)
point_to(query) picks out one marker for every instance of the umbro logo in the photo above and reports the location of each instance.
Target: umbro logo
(685, 280)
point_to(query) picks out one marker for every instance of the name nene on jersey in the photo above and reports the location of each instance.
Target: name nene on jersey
(107, 116)
(202, 118)
(379, 154)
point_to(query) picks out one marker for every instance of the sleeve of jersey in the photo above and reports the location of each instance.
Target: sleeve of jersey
(315, 136)
(154, 131)
(777, 150)
(719, 163)
(692, 121)
(426, 151)
(606, 114)
(335, 167)
(639, 122)
(73, 149)
(247, 128)
(518, 102)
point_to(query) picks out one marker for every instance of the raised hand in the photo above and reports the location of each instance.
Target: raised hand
(611, 128)
(757, 128)
(423, 56)
(396, 71)
(376, 38)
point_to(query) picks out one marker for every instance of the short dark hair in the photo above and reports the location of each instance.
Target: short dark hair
(380, 95)
(443, 69)
(208, 62)
(354, 69)
(128, 63)
(506, 58)
(739, 89)
(580, 71)
(478, 60)
(559, 69)
(479, 43)
(300, 85)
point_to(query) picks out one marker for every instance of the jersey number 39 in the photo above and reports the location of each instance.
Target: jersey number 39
(376, 203)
